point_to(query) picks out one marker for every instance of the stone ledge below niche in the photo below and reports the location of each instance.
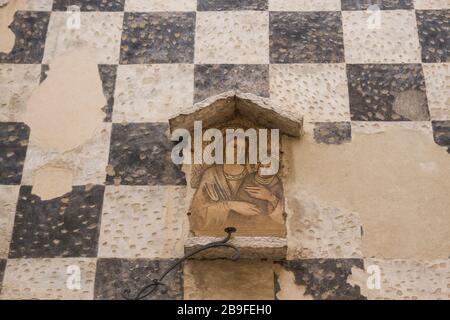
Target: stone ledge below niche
(273, 248)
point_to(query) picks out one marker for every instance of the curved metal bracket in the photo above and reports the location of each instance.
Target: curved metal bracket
(151, 288)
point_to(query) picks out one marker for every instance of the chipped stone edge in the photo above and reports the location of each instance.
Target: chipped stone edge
(293, 118)
(273, 248)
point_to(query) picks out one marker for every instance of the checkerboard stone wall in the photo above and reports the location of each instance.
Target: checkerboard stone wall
(156, 57)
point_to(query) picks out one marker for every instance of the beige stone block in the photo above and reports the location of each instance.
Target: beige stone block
(319, 231)
(8, 201)
(304, 5)
(437, 80)
(87, 162)
(152, 93)
(232, 37)
(143, 222)
(403, 279)
(49, 279)
(99, 31)
(224, 279)
(160, 5)
(394, 40)
(431, 4)
(318, 91)
(17, 82)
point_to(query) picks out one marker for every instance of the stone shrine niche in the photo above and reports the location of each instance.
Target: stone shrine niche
(247, 194)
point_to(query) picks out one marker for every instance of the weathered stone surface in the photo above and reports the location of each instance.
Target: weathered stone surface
(160, 5)
(143, 222)
(318, 231)
(162, 37)
(99, 31)
(30, 29)
(13, 148)
(145, 93)
(222, 108)
(437, 79)
(394, 40)
(306, 37)
(17, 81)
(431, 4)
(213, 79)
(304, 5)
(382, 4)
(322, 279)
(228, 5)
(387, 92)
(318, 91)
(114, 276)
(8, 201)
(89, 5)
(441, 133)
(87, 162)
(333, 132)
(238, 37)
(233, 280)
(372, 178)
(49, 279)
(140, 155)
(274, 248)
(67, 226)
(404, 279)
(434, 34)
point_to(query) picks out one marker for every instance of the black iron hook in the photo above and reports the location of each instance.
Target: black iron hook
(151, 287)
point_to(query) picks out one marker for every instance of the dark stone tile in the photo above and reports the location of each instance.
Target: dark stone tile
(2, 272)
(306, 37)
(108, 74)
(30, 28)
(161, 37)
(140, 154)
(326, 279)
(333, 132)
(387, 92)
(434, 34)
(441, 133)
(382, 4)
(67, 226)
(90, 5)
(13, 148)
(212, 79)
(228, 5)
(114, 276)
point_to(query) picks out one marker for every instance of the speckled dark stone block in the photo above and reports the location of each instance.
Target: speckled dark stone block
(162, 37)
(306, 37)
(30, 29)
(213, 79)
(434, 34)
(108, 74)
(140, 154)
(67, 226)
(333, 132)
(228, 5)
(90, 5)
(113, 276)
(382, 4)
(326, 279)
(13, 148)
(441, 133)
(2, 272)
(387, 92)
